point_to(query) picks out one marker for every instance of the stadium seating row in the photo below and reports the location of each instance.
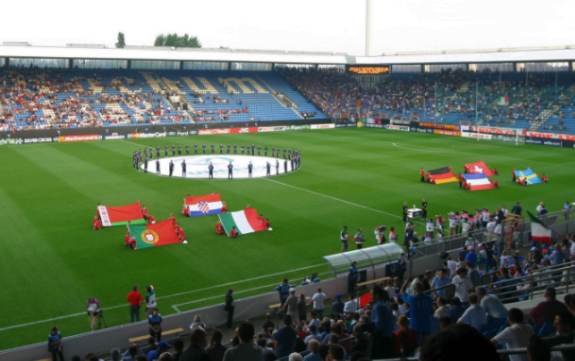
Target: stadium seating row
(39, 99)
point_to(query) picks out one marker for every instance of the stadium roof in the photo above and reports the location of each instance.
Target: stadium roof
(95, 51)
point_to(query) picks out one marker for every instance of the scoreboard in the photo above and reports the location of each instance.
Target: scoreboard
(369, 69)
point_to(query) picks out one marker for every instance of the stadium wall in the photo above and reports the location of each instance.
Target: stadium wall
(152, 131)
(516, 135)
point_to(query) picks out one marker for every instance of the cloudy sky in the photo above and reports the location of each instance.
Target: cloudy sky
(322, 25)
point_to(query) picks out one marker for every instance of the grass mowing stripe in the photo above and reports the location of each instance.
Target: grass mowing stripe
(52, 190)
(162, 298)
(357, 205)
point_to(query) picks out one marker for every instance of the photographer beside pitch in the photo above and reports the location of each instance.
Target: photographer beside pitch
(94, 310)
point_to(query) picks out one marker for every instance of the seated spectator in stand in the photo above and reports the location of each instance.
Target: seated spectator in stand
(474, 315)
(178, 350)
(337, 306)
(444, 322)
(516, 335)
(294, 356)
(313, 348)
(443, 308)
(335, 353)
(564, 324)
(160, 349)
(196, 350)
(440, 282)
(216, 350)
(456, 343)
(491, 304)
(246, 349)
(538, 350)
(131, 353)
(405, 338)
(462, 285)
(285, 338)
(544, 313)
(570, 298)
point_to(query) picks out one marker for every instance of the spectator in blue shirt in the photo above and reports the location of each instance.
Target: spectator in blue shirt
(283, 290)
(420, 312)
(285, 338)
(155, 322)
(440, 282)
(383, 324)
(313, 347)
(55, 344)
(471, 258)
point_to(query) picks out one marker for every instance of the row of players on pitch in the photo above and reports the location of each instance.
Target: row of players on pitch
(294, 163)
(146, 154)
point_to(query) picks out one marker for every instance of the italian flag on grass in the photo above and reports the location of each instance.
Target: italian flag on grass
(246, 221)
(154, 235)
(539, 231)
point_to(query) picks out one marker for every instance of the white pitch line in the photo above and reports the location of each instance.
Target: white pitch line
(357, 205)
(247, 290)
(398, 146)
(77, 314)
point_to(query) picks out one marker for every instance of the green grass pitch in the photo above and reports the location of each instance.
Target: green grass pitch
(51, 261)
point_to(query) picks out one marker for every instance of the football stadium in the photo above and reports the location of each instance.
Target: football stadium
(179, 202)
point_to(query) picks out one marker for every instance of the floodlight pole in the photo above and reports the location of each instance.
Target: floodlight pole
(368, 6)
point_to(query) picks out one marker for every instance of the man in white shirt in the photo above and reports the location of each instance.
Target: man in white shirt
(474, 315)
(350, 306)
(462, 285)
(491, 304)
(516, 335)
(451, 266)
(465, 227)
(318, 305)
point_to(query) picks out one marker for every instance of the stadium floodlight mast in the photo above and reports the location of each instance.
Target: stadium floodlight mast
(368, 20)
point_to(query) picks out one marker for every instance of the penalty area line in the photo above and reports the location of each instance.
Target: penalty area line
(350, 203)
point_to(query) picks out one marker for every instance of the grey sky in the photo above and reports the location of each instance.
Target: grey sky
(324, 25)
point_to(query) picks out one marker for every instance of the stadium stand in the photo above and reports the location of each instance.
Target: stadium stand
(484, 283)
(536, 101)
(41, 99)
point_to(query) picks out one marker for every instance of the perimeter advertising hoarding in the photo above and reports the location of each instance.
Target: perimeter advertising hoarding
(402, 128)
(79, 138)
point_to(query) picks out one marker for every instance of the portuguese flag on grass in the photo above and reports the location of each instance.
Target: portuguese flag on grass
(121, 215)
(246, 221)
(154, 235)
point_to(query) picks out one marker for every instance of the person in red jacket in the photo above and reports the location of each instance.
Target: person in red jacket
(234, 232)
(135, 299)
(96, 223)
(405, 338)
(544, 313)
(219, 229)
(422, 174)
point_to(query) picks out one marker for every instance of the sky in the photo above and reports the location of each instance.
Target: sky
(306, 25)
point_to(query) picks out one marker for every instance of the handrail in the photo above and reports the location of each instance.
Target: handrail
(544, 271)
(511, 351)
